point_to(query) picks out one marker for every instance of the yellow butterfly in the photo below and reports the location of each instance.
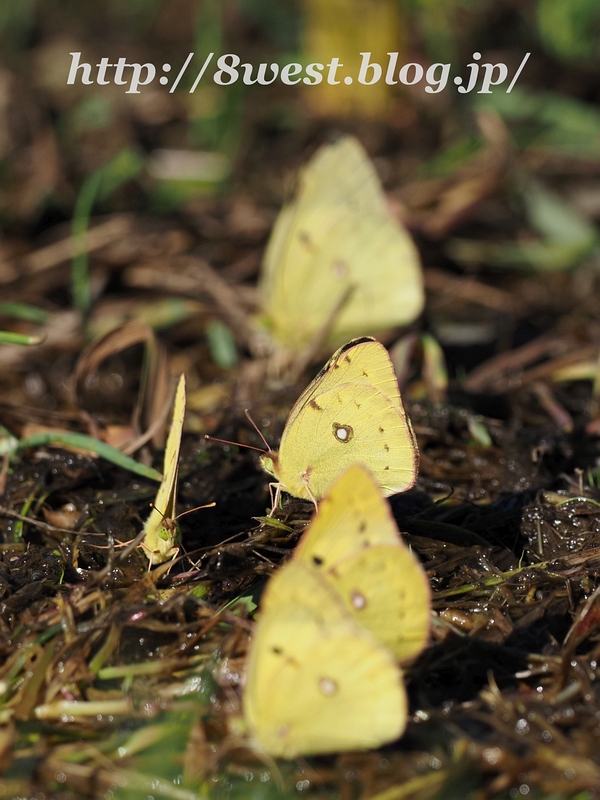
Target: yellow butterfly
(351, 413)
(316, 682)
(161, 530)
(354, 543)
(338, 235)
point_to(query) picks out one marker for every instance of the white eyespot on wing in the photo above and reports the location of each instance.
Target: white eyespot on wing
(328, 686)
(358, 600)
(343, 433)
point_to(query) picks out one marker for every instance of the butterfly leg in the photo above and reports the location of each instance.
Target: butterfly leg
(174, 552)
(173, 559)
(312, 499)
(274, 498)
(148, 553)
(111, 546)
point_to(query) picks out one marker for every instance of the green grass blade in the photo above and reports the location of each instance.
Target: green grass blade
(101, 449)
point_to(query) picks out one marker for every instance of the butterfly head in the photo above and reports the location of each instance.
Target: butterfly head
(168, 531)
(162, 545)
(270, 462)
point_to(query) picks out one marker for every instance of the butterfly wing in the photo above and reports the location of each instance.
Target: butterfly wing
(354, 543)
(160, 527)
(372, 254)
(338, 233)
(360, 361)
(352, 518)
(387, 592)
(319, 204)
(316, 682)
(350, 414)
(367, 252)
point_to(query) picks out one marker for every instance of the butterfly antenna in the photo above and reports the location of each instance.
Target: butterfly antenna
(237, 444)
(153, 506)
(256, 428)
(190, 510)
(183, 513)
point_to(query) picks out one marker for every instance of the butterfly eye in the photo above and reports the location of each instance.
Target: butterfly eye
(343, 433)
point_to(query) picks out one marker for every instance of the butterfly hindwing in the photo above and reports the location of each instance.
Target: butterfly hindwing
(387, 592)
(354, 543)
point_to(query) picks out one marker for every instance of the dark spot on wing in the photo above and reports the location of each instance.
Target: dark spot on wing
(386, 467)
(306, 474)
(362, 527)
(381, 430)
(317, 560)
(386, 447)
(315, 405)
(305, 239)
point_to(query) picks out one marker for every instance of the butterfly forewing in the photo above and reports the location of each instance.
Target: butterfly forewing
(360, 361)
(357, 184)
(308, 220)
